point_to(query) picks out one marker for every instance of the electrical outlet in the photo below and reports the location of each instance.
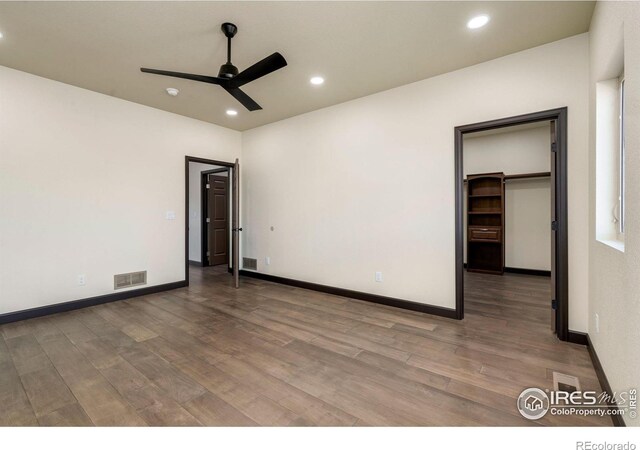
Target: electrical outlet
(597, 323)
(267, 260)
(82, 280)
(379, 277)
(170, 215)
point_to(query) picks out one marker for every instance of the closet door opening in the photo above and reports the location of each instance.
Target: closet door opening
(511, 237)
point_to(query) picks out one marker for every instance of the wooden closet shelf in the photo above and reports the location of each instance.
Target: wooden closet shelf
(522, 176)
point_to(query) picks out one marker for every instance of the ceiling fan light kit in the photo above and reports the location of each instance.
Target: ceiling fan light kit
(229, 78)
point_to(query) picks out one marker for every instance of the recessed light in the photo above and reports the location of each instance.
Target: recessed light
(478, 22)
(316, 80)
(232, 112)
(172, 92)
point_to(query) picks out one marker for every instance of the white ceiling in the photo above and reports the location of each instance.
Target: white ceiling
(359, 47)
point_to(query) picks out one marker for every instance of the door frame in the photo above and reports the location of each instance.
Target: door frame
(187, 160)
(204, 205)
(562, 259)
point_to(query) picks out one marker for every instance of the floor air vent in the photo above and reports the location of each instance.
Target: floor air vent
(125, 280)
(250, 263)
(565, 383)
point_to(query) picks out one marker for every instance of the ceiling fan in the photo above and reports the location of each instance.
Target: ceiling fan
(228, 77)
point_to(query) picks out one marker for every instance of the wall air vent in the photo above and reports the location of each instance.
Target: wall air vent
(125, 280)
(250, 263)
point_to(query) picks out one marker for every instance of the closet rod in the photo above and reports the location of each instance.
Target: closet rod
(522, 176)
(519, 176)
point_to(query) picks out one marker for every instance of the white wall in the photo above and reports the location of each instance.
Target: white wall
(512, 150)
(368, 185)
(614, 284)
(527, 201)
(195, 207)
(85, 181)
(528, 224)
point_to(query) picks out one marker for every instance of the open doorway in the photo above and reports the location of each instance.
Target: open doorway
(511, 236)
(212, 215)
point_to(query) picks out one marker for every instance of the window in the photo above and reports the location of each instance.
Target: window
(621, 162)
(610, 161)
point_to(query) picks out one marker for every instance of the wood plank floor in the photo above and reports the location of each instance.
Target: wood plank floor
(268, 354)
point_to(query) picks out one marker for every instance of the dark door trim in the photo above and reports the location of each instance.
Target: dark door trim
(187, 160)
(204, 207)
(562, 259)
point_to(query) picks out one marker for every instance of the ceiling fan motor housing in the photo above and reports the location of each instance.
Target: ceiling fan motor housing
(228, 70)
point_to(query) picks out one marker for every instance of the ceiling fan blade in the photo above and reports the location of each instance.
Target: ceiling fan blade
(261, 68)
(187, 76)
(243, 98)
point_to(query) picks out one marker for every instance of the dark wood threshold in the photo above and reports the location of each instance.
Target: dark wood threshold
(617, 419)
(536, 272)
(389, 301)
(195, 263)
(86, 302)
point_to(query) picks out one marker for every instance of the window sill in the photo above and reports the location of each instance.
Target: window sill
(613, 243)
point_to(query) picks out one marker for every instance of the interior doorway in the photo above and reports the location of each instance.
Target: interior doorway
(212, 215)
(534, 267)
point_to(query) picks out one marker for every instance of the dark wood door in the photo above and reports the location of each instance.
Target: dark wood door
(235, 218)
(553, 225)
(218, 220)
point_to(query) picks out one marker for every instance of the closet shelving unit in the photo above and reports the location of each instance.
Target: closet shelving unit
(485, 223)
(485, 219)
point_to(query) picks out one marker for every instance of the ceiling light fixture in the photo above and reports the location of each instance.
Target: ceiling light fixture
(316, 80)
(1, 35)
(478, 22)
(172, 92)
(232, 112)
